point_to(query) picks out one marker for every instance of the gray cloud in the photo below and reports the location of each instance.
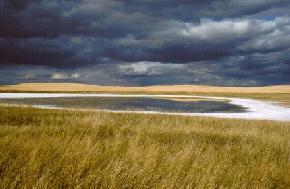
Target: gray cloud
(221, 42)
(149, 69)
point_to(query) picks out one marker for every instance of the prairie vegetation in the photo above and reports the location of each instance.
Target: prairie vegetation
(69, 149)
(77, 87)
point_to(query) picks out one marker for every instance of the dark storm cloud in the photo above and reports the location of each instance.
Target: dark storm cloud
(193, 10)
(233, 41)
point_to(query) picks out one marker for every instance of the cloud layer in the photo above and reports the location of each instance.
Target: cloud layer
(143, 42)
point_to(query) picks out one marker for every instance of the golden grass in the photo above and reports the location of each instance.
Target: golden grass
(75, 87)
(73, 149)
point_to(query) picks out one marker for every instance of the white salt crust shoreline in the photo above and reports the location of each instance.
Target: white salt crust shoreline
(256, 109)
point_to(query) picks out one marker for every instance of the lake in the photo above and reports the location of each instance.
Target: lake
(131, 104)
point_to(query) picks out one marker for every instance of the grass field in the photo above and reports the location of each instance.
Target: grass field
(66, 149)
(76, 87)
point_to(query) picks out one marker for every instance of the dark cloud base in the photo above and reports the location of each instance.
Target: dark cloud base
(144, 42)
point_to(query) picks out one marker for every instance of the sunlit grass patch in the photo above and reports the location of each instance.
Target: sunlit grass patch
(55, 148)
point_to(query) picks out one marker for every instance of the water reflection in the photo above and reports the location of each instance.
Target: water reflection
(133, 104)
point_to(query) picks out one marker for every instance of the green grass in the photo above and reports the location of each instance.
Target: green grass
(70, 149)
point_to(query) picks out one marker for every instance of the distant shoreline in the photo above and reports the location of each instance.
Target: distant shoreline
(77, 87)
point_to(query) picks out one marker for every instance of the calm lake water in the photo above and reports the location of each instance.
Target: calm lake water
(133, 104)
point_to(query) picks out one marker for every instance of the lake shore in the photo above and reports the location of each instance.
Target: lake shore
(256, 109)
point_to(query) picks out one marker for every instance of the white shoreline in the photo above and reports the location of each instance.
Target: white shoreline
(258, 110)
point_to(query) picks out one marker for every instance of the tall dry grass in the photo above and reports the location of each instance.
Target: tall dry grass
(73, 149)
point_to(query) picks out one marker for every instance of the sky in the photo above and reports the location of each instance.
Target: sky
(145, 42)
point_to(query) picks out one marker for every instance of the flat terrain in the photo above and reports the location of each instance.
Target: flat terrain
(279, 94)
(75, 87)
(69, 149)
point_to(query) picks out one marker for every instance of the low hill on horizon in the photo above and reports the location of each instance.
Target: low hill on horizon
(78, 87)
